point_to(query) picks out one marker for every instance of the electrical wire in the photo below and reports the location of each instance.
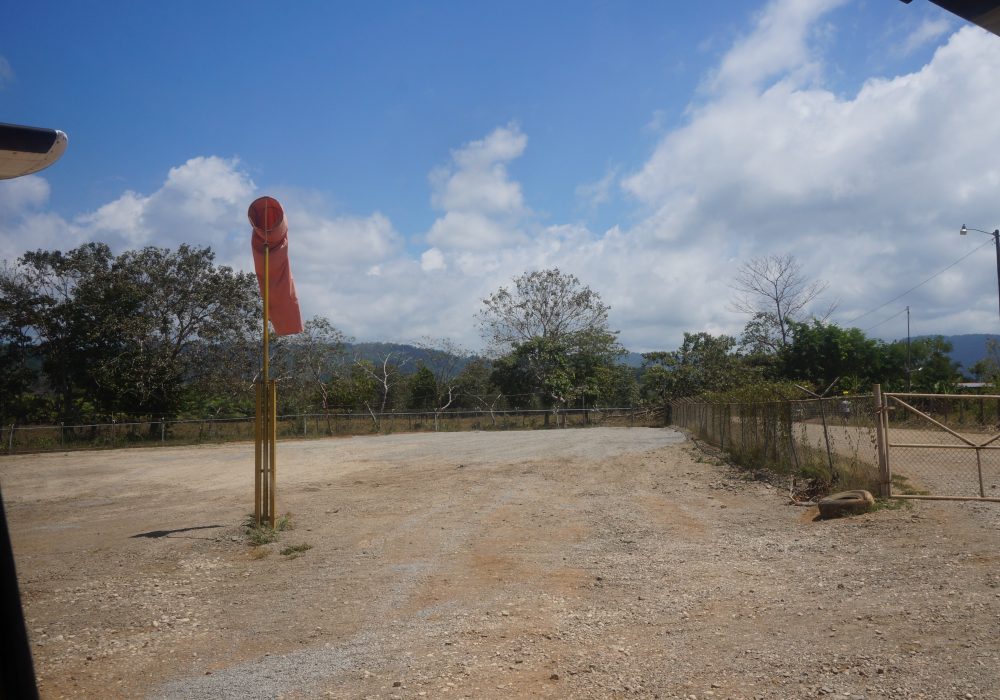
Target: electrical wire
(897, 298)
(895, 315)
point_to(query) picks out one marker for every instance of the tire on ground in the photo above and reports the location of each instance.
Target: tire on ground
(845, 503)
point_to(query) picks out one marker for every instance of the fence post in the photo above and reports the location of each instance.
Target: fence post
(10, 440)
(163, 429)
(62, 434)
(882, 444)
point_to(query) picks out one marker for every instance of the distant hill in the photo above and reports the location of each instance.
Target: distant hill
(631, 359)
(967, 349)
(411, 354)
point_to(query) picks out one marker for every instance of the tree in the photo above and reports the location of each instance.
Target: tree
(423, 389)
(551, 334)
(444, 359)
(703, 363)
(773, 291)
(543, 304)
(314, 357)
(382, 377)
(821, 353)
(123, 333)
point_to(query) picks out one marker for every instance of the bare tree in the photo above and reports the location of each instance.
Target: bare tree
(772, 290)
(386, 375)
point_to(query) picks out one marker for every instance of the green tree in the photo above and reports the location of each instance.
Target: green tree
(551, 334)
(820, 353)
(703, 363)
(423, 389)
(122, 333)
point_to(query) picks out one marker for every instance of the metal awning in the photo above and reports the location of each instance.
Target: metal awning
(985, 13)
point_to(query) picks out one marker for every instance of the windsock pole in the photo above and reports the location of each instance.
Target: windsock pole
(265, 423)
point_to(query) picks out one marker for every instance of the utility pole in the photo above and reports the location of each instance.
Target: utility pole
(909, 372)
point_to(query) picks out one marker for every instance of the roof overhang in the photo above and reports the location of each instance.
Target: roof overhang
(985, 13)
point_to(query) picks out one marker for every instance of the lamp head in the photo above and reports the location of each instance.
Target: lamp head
(963, 231)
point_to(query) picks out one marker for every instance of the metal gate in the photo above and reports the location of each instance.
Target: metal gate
(939, 446)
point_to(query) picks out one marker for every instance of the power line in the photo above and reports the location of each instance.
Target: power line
(898, 313)
(897, 298)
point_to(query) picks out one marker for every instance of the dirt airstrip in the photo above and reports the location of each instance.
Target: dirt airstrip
(577, 563)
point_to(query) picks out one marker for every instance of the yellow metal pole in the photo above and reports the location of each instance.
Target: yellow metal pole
(268, 414)
(274, 451)
(258, 455)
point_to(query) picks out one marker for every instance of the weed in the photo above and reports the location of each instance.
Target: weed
(258, 535)
(892, 504)
(295, 550)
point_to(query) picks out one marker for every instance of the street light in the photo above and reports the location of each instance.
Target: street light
(996, 240)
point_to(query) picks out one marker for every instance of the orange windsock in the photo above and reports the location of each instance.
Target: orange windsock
(270, 231)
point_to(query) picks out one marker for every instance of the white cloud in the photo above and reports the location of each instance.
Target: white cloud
(483, 207)
(777, 46)
(23, 193)
(432, 260)
(929, 31)
(868, 190)
(6, 73)
(594, 194)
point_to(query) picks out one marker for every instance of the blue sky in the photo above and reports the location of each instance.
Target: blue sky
(426, 153)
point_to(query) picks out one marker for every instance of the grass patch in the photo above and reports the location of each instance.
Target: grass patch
(262, 534)
(892, 504)
(296, 550)
(902, 485)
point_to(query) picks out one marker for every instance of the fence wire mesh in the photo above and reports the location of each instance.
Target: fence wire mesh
(945, 446)
(16, 439)
(829, 442)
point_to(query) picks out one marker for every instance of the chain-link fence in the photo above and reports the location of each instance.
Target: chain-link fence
(942, 445)
(15, 439)
(829, 443)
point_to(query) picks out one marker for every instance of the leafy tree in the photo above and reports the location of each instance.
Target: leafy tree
(543, 304)
(122, 332)
(703, 363)
(820, 353)
(539, 366)
(933, 369)
(551, 334)
(423, 389)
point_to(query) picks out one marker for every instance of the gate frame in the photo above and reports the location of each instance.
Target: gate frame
(883, 444)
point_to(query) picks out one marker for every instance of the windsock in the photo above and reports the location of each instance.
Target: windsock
(270, 231)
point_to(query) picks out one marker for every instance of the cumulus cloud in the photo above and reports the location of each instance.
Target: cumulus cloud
(483, 207)
(866, 189)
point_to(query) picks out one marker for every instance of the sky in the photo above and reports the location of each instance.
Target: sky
(428, 153)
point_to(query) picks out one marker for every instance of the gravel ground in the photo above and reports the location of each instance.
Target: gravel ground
(601, 562)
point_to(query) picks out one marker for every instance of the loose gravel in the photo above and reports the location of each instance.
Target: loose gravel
(590, 563)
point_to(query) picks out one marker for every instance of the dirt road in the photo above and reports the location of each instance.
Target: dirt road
(605, 562)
